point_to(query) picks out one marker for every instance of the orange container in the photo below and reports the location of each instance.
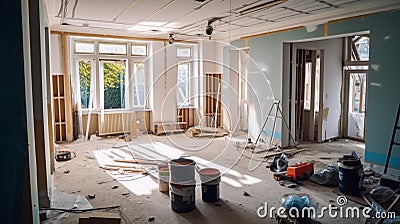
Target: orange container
(300, 171)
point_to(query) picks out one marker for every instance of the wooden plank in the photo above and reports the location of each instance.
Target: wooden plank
(67, 90)
(284, 151)
(136, 161)
(133, 129)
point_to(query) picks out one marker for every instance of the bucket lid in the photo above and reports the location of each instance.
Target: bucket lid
(182, 161)
(209, 171)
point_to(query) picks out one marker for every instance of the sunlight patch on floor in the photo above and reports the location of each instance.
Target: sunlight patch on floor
(140, 184)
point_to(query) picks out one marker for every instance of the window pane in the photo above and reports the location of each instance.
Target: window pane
(114, 85)
(106, 48)
(183, 84)
(82, 47)
(362, 46)
(140, 50)
(138, 84)
(84, 68)
(184, 52)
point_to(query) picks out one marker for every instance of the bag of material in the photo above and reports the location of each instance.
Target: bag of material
(329, 176)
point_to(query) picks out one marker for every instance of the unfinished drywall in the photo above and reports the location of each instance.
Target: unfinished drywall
(383, 78)
(332, 82)
(56, 65)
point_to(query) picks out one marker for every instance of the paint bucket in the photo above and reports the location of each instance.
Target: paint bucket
(350, 175)
(182, 197)
(210, 179)
(163, 177)
(182, 171)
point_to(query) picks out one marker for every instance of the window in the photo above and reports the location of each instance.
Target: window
(184, 52)
(138, 80)
(139, 50)
(112, 48)
(84, 47)
(85, 71)
(113, 84)
(362, 47)
(183, 84)
(109, 74)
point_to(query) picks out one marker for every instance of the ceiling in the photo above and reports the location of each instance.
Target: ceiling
(187, 19)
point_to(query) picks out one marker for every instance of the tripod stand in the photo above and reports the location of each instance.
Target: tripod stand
(275, 116)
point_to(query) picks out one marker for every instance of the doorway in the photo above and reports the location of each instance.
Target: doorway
(213, 100)
(355, 103)
(308, 103)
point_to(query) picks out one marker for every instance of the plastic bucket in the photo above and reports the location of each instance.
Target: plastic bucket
(210, 179)
(350, 179)
(182, 197)
(182, 171)
(163, 177)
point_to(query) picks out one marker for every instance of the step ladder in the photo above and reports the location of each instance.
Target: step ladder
(275, 104)
(392, 141)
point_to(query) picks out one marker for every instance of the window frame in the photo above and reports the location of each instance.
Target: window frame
(114, 43)
(101, 82)
(188, 85)
(84, 42)
(131, 88)
(139, 55)
(98, 86)
(184, 47)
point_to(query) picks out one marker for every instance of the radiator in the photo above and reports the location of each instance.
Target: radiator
(115, 122)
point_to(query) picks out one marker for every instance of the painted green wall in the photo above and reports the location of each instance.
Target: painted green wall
(383, 77)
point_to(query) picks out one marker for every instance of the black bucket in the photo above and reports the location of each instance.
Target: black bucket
(210, 178)
(210, 193)
(182, 197)
(350, 179)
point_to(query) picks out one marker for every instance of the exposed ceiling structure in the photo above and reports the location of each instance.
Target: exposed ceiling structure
(187, 19)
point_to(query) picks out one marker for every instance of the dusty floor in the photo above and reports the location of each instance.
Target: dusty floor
(75, 179)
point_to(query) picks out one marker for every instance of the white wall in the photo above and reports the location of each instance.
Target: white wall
(56, 65)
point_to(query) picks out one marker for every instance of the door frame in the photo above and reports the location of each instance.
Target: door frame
(345, 103)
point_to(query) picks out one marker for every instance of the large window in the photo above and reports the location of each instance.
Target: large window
(183, 84)
(113, 84)
(139, 84)
(109, 74)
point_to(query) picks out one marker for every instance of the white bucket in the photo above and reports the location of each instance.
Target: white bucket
(182, 171)
(163, 177)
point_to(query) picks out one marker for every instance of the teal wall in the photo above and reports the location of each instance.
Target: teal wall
(384, 73)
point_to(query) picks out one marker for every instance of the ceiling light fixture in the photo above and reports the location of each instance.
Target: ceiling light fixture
(171, 39)
(209, 28)
(261, 6)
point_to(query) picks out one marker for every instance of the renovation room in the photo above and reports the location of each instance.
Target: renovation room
(202, 111)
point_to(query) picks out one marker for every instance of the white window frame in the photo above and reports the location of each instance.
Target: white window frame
(97, 81)
(132, 84)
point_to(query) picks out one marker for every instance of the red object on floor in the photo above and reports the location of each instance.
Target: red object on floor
(300, 171)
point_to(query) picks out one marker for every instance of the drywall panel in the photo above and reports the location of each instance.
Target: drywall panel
(233, 88)
(56, 60)
(332, 82)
